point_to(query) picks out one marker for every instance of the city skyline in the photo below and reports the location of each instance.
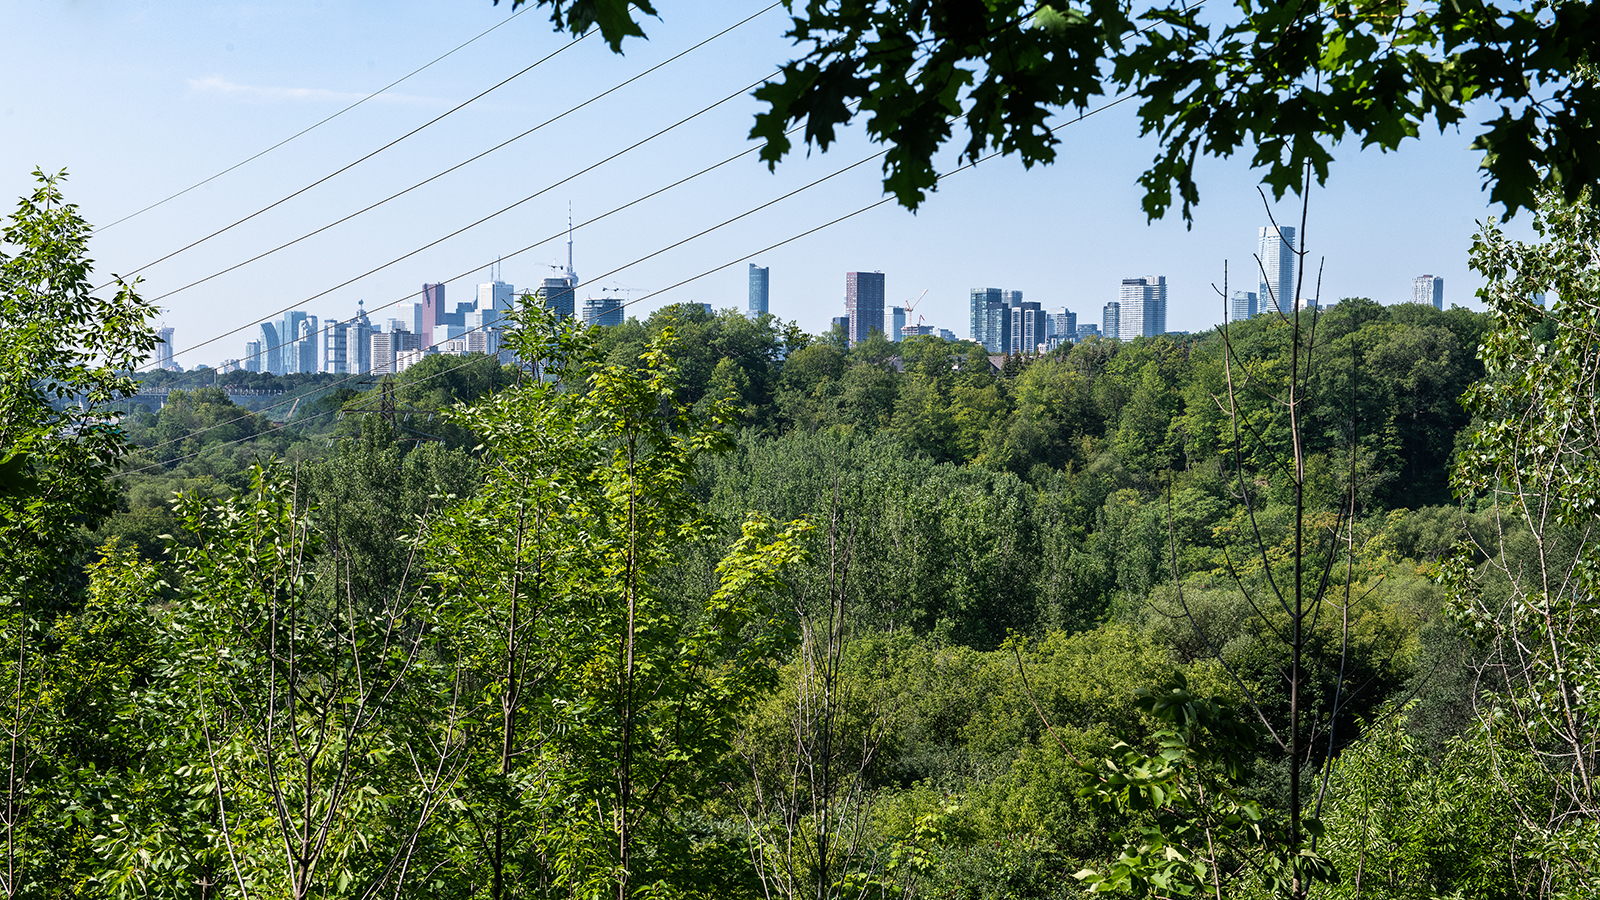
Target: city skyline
(1008, 324)
(998, 318)
(195, 89)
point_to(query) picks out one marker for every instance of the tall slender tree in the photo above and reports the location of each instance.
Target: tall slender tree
(64, 356)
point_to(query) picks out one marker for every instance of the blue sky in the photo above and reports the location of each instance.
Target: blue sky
(139, 100)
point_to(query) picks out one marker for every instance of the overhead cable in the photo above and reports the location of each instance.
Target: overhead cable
(971, 164)
(315, 125)
(546, 189)
(502, 145)
(348, 166)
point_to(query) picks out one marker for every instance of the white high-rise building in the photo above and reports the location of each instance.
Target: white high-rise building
(387, 348)
(336, 347)
(496, 297)
(1063, 324)
(1275, 248)
(1242, 305)
(288, 343)
(382, 353)
(306, 346)
(164, 347)
(1143, 307)
(358, 342)
(1428, 289)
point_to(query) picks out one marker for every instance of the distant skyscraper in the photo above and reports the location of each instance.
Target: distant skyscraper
(560, 295)
(456, 318)
(1088, 331)
(288, 337)
(382, 343)
(991, 325)
(270, 355)
(1242, 305)
(359, 341)
(387, 346)
(252, 356)
(486, 340)
(1428, 289)
(1275, 247)
(946, 334)
(602, 311)
(1142, 307)
(1061, 325)
(842, 323)
(496, 297)
(863, 303)
(1027, 326)
(759, 282)
(897, 317)
(164, 348)
(336, 347)
(430, 310)
(306, 346)
(1111, 320)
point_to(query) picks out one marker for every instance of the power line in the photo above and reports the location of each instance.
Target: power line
(829, 224)
(347, 167)
(504, 144)
(493, 215)
(611, 212)
(971, 164)
(314, 125)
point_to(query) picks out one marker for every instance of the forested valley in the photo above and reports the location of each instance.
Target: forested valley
(705, 606)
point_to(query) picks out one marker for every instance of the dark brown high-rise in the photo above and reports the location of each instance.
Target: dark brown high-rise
(863, 302)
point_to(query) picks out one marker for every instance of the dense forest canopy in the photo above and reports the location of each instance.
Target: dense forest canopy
(705, 606)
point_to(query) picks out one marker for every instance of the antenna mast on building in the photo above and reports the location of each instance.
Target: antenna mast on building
(571, 273)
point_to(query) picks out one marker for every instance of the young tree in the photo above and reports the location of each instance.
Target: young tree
(1295, 572)
(64, 355)
(1530, 590)
(328, 724)
(612, 706)
(806, 801)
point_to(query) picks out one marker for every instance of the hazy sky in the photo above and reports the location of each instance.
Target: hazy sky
(140, 100)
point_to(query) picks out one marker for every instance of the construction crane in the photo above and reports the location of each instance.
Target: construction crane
(910, 307)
